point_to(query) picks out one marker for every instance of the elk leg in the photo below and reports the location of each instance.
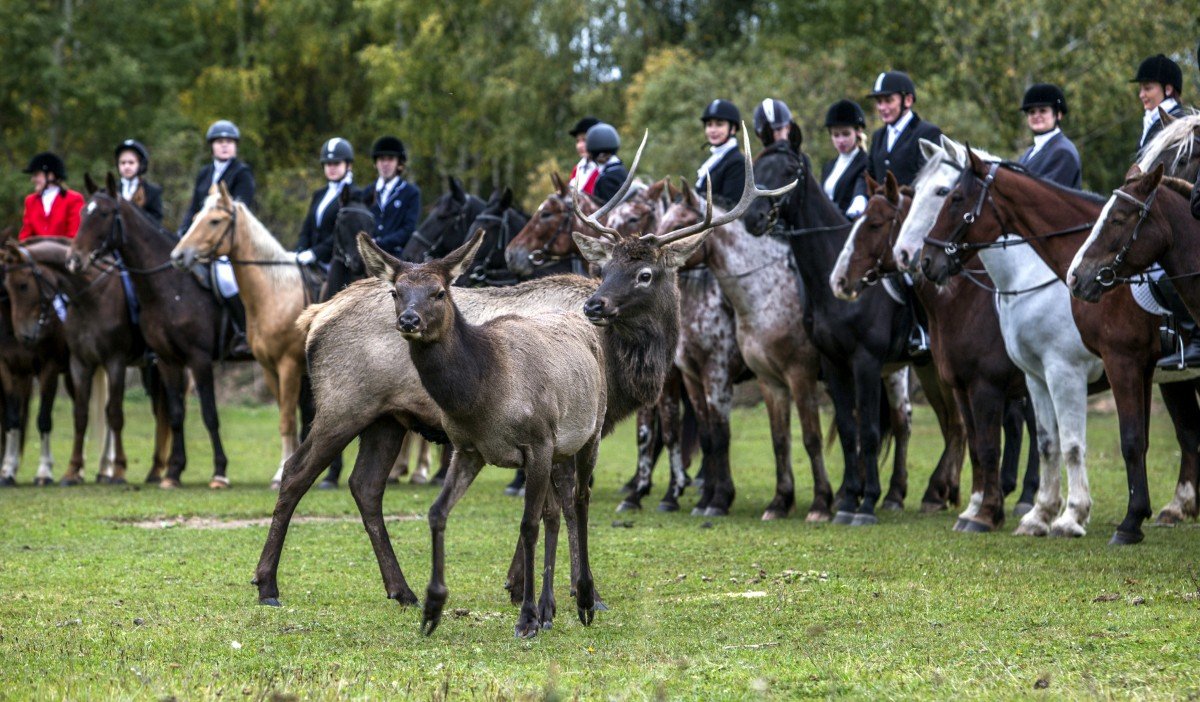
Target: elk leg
(585, 587)
(463, 469)
(376, 450)
(551, 512)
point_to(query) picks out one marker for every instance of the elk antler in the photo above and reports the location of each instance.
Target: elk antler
(593, 220)
(750, 193)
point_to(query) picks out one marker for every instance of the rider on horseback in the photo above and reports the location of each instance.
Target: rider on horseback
(397, 203)
(132, 161)
(842, 178)
(316, 234)
(1052, 155)
(602, 146)
(772, 119)
(52, 209)
(895, 146)
(584, 174)
(725, 165)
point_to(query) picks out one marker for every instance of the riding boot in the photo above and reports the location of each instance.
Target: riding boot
(237, 314)
(918, 335)
(1185, 353)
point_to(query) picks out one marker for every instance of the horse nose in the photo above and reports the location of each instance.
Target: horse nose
(408, 322)
(903, 258)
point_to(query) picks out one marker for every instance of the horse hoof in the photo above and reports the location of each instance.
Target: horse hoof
(863, 519)
(168, 484)
(971, 526)
(893, 506)
(393, 481)
(771, 515)
(117, 481)
(1168, 519)
(817, 516)
(668, 506)
(219, 482)
(512, 491)
(153, 478)
(1069, 531)
(275, 485)
(931, 507)
(1022, 509)
(1027, 530)
(697, 511)
(961, 524)
(103, 480)
(43, 482)
(418, 479)
(8, 481)
(327, 485)
(70, 482)
(269, 601)
(843, 518)
(716, 512)
(1124, 538)
(627, 506)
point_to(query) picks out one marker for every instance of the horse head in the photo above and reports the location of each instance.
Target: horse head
(547, 236)
(445, 229)
(353, 216)
(867, 254)
(212, 231)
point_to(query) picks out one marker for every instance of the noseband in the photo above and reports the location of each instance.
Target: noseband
(338, 252)
(541, 256)
(45, 300)
(1107, 275)
(954, 245)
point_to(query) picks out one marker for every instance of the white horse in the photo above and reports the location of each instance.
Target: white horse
(1041, 338)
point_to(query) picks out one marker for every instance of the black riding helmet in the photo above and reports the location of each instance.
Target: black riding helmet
(722, 109)
(47, 162)
(337, 149)
(1044, 95)
(845, 113)
(223, 129)
(138, 148)
(389, 146)
(1160, 69)
(773, 112)
(602, 138)
(891, 82)
(583, 125)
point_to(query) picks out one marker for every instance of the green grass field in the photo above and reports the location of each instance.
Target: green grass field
(95, 607)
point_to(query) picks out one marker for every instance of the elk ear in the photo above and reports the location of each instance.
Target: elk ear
(677, 253)
(558, 183)
(456, 190)
(796, 137)
(595, 250)
(929, 150)
(459, 260)
(89, 185)
(110, 184)
(1165, 117)
(379, 263)
(891, 188)
(506, 198)
(1133, 172)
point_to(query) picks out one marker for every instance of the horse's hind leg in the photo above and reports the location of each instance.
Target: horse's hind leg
(424, 448)
(671, 425)
(1180, 399)
(983, 418)
(202, 372)
(899, 409)
(779, 414)
(115, 413)
(174, 385)
(1049, 498)
(1010, 459)
(1029, 486)
(649, 446)
(944, 483)
(16, 412)
(805, 393)
(48, 388)
(867, 400)
(80, 409)
(155, 388)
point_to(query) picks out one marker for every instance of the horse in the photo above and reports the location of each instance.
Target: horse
(25, 356)
(501, 220)
(995, 198)
(545, 246)
(101, 335)
(181, 321)
(971, 359)
(857, 341)
(756, 276)
(446, 226)
(274, 291)
(353, 216)
(1176, 148)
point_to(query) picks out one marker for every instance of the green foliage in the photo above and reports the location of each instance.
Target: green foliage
(485, 90)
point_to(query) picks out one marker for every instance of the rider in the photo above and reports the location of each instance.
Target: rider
(1052, 155)
(1160, 81)
(895, 146)
(223, 137)
(397, 202)
(842, 178)
(772, 119)
(52, 209)
(724, 165)
(584, 174)
(602, 144)
(316, 234)
(132, 161)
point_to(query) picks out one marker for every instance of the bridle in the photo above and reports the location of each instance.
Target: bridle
(541, 256)
(479, 274)
(1107, 275)
(114, 241)
(457, 223)
(47, 291)
(777, 203)
(875, 274)
(339, 252)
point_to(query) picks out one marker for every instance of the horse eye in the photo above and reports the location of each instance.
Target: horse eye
(214, 222)
(943, 191)
(546, 214)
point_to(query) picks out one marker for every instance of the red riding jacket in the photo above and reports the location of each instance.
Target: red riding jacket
(63, 219)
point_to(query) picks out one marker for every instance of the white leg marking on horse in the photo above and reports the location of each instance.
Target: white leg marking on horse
(46, 462)
(12, 453)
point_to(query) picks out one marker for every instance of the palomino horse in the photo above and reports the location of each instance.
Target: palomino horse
(100, 334)
(181, 323)
(995, 198)
(970, 359)
(273, 289)
(857, 340)
(756, 276)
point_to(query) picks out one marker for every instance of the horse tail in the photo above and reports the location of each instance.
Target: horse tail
(887, 433)
(97, 404)
(831, 436)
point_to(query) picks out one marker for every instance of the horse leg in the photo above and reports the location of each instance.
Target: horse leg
(649, 446)
(779, 414)
(299, 474)
(1049, 496)
(1069, 391)
(424, 460)
(175, 385)
(1029, 486)
(1131, 389)
(867, 398)
(943, 486)
(1180, 399)
(805, 393)
(376, 450)
(718, 395)
(48, 388)
(463, 469)
(156, 389)
(840, 382)
(16, 413)
(1010, 460)
(289, 398)
(899, 407)
(83, 392)
(983, 416)
(400, 467)
(115, 414)
(671, 424)
(202, 373)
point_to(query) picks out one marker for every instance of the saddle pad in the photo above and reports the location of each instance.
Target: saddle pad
(1143, 294)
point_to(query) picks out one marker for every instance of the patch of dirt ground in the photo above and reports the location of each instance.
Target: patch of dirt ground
(219, 523)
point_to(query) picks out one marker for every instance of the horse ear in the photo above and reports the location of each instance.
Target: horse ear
(891, 189)
(226, 198)
(379, 263)
(558, 183)
(1165, 117)
(506, 198)
(928, 149)
(672, 191)
(110, 184)
(345, 196)
(456, 190)
(655, 190)
(367, 195)
(7, 233)
(872, 186)
(459, 260)
(1153, 178)
(795, 137)
(1133, 172)
(976, 162)
(689, 195)
(953, 149)
(89, 185)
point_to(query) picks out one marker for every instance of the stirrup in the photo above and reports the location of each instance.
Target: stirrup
(1170, 337)
(918, 341)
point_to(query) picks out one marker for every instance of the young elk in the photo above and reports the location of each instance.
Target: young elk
(517, 392)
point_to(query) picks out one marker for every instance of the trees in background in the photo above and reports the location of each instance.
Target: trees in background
(485, 90)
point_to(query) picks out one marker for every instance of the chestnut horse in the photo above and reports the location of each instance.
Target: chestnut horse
(997, 198)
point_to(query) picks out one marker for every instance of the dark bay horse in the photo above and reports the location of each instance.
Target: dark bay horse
(995, 198)
(180, 320)
(446, 226)
(970, 358)
(100, 334)
(545, 246)
(857, 340)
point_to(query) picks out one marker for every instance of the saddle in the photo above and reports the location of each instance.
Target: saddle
(900, 289)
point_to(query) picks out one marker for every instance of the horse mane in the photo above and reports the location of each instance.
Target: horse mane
(263, 246)
(1088, 195)
(1176, 135)
(1179, 185)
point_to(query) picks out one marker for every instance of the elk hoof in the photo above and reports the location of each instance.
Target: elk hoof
(269, 601)
(628, 506)
(1125, 538)
(405, 598)
(843, 518)
(43, 482)
(587, 615)
(1022, 509)
(666, 506)
(527, 630)
(327, 484)
(893, 506)
(864, 519)
(972, 526)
